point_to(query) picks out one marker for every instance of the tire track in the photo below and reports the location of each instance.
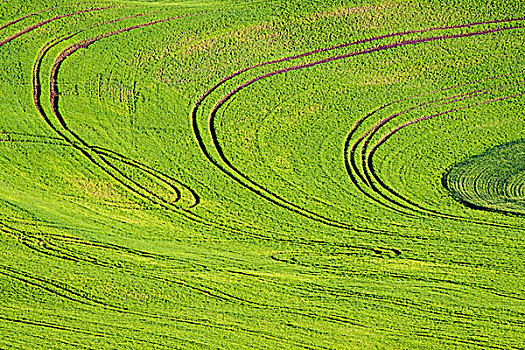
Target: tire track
(118, 327)
(60, 290)
(8, 24)
(40, 243)
(351, 165)
(200, 220)
(367, 136)
(69, 293)
(56, 18)
(230, 298)
(374, 148)
(429, 309)
(88, 151)
(353, 150)
(96, 334)
(223, 164)
(26, 239)
(24, 17)
(207, 291)
(54, 97)
(200, 289)
(10, 137)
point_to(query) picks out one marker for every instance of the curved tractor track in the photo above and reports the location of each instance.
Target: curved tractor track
(102, 158)
(369, 156)
(215, 154)
(113, 163)
(169, 194)
(247, 282)
(364, 175)
(179, 197)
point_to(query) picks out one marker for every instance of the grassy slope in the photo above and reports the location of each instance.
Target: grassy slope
(90, 258)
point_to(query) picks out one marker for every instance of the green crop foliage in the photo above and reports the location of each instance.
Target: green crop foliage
(262, 174)
(492, 180)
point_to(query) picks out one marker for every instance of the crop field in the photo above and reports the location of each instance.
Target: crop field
(262, 174)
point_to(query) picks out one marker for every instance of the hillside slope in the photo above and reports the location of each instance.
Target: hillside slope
(262, 174)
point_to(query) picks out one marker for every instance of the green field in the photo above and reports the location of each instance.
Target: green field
(262, 174)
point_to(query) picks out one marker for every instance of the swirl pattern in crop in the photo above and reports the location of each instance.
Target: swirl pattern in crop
(262, 174)
(492, 180)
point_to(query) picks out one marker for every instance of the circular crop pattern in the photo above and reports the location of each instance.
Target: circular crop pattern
(493, 180)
